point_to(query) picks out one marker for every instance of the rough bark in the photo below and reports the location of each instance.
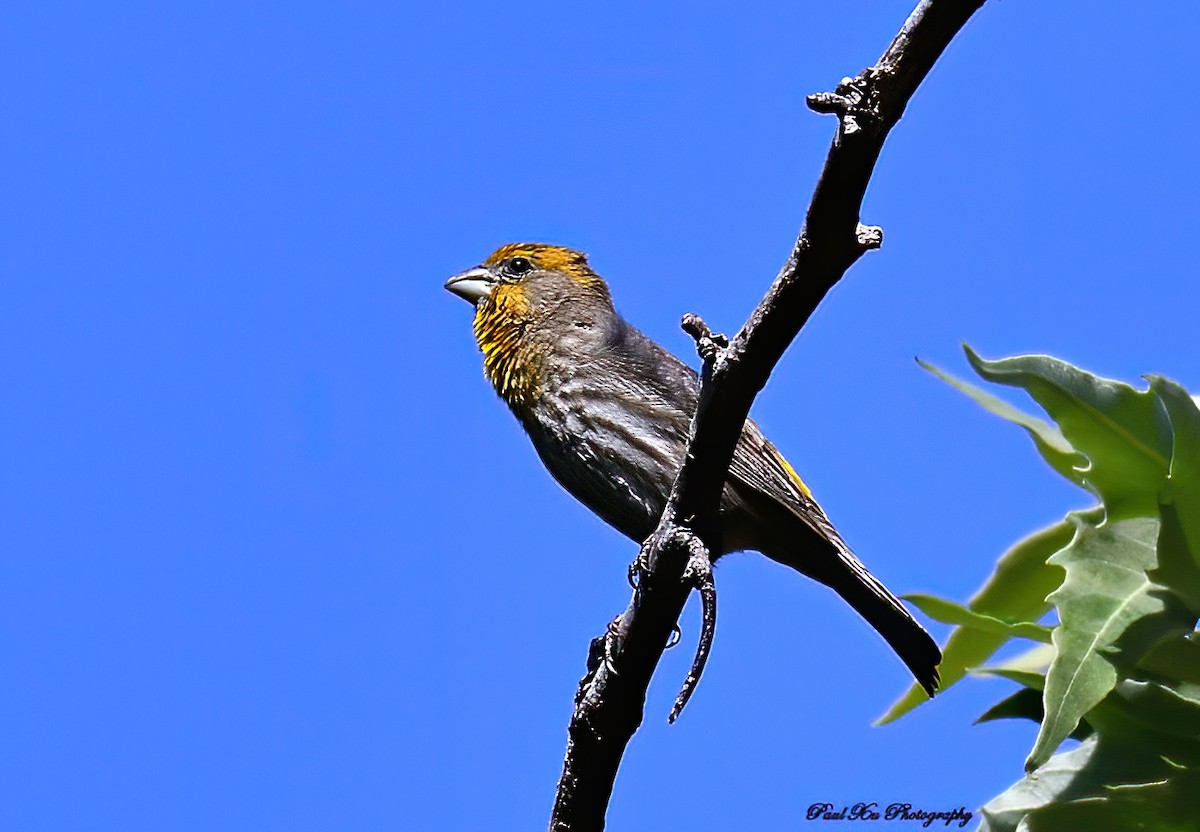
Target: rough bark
(611, 697)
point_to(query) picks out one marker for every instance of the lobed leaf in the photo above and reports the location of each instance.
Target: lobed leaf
(1176, 571)
(948, 612)
(1071, 770)
(1027, 704)
(1086, 788)
(1036, 659)
(1110, 613)
(1016, 589)
(1127, 606)
(1048, 439)
(1175, 659)
(1165, 805)
(1136, 708)
(1123, 432)
(1029, 678)
(1182, 490)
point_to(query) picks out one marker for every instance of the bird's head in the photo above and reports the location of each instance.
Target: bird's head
(532, 300)
(537, 273)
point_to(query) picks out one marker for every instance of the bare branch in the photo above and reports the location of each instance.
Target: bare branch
(609, 703)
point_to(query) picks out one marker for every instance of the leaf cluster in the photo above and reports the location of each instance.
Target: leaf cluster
(1120, 668)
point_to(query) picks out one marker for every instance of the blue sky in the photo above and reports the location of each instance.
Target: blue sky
(273, 555)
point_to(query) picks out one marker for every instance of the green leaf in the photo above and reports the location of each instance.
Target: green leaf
(1017, 589)
(948, 612)
(1072, 769)
(1110, 613)
(1175, 659)
(1027, 704)
(1182, 490)
(1150, 726)
(1029, 678)
(1122, 814)
(1050, 442)
(1123, 432)
(1036, 658)
(1168, 804)
(1127, 607)
(1098, 771)
(1150, 706)
(1179, 502)
(1176, 571)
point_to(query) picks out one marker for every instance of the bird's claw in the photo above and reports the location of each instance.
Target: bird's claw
(639, 568)
(698, 573)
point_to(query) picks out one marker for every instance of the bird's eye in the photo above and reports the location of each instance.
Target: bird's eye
(519, 266)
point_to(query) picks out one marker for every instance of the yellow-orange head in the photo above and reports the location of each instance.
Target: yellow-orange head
(529, 297)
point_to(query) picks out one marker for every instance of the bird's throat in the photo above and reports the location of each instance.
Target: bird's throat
(510, 363)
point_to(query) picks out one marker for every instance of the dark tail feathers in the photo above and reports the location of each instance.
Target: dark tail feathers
(838, 568)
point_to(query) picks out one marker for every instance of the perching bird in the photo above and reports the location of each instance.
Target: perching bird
(608, 411)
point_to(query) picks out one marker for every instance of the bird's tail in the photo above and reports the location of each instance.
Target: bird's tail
(827, 558)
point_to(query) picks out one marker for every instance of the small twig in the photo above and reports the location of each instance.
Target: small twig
(869, 237)
(711, 346)
(829, 102)
(848, 96)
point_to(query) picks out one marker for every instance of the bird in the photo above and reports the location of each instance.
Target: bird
(608, 411)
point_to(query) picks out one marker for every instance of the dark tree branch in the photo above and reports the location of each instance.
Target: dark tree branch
(611, 697)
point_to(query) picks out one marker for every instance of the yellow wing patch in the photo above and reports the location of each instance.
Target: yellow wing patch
(792, 475)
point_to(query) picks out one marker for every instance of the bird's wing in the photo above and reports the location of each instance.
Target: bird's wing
(760, 469)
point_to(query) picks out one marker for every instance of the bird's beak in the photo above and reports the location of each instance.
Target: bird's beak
(472, 285)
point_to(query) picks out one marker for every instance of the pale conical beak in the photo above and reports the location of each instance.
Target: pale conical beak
(472, 285)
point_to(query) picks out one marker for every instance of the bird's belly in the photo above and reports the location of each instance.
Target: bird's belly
(617, 461)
